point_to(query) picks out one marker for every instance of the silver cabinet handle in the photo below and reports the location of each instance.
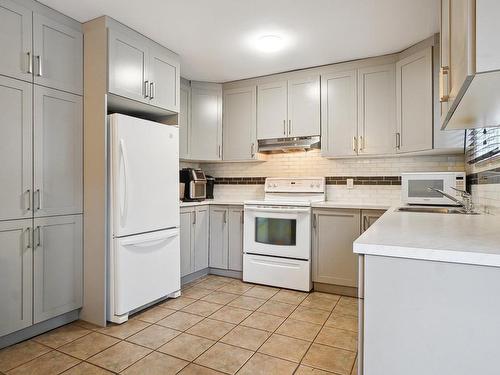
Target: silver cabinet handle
(152, 90)
(30, 63)
(220, 151)
(28, 234)
(28, 206)
(146, 89)
(194, 217)
(398, 140)
(289, 127)
(354, 144)
(242, 218)
(314, 221)
(225, 217)
(443, 84)
(365, 223)
(284, 127)
(252, 150)
(39, 236)
(361, 143)
(39, 65)
(39, 199)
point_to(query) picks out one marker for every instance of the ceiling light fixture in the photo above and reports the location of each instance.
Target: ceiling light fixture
(270, 43)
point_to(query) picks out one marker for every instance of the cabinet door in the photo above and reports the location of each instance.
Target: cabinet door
(304, 107)
(186, 242)
(58, 266)
(15, 41)
(444, 54)
(164, 77)
(368, 217)
(58, 52)
(376, 110)
(184, 121)
(128, 58)
(15, 275)
(272, 110)
(15, 149)
(218, 237)
(460, 49)
(235, 241)
(333, 259)
(240, 123)
(58, 159)
(339, 114)
(414, 102)
(206, 121)
(201, 238)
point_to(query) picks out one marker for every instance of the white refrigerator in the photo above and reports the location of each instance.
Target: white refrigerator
(143, 210)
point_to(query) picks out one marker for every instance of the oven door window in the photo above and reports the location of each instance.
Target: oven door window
(420, 188)
(272, 231)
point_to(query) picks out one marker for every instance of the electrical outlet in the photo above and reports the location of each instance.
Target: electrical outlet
(350, 183)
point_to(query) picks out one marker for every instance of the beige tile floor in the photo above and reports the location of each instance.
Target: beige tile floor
(218, 326)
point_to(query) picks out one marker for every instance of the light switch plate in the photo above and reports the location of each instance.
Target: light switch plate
(350, 183)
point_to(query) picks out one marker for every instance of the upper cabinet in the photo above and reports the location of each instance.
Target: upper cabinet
(142, 70)
(339, 114)
(304, 107)
(16, 59)
(239, 124)
(184, 119)
(376, 110)
(272, 110)
(128, 65)
(414, 101)
(206, 121)
(470, 63)
(40, 49)
(289, 108)
(58, 55)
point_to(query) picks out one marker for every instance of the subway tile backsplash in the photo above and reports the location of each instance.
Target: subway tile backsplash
(376, 180)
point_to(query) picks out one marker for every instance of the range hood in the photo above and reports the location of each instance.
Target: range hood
(289, 144)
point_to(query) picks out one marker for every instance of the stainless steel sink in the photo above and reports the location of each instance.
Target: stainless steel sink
(436, 210)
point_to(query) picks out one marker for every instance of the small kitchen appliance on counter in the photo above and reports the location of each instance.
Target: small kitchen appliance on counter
(277, 233)
(422, 188)
(195, 184)
(210, 187)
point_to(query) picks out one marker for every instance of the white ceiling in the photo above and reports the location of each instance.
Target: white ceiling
(214, 37)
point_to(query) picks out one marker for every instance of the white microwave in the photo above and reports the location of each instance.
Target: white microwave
(415, 187)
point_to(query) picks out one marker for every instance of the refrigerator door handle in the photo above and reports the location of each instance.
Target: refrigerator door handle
(153, 240)
(123, 203)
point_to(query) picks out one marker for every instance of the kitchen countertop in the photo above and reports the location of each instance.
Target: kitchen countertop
(359, 206)
(456, 238)
(325, 204)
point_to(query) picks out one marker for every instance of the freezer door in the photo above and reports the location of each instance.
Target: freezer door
(144, 170)
(145, 267)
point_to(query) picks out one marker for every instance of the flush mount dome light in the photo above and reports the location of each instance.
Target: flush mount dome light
(270, 43)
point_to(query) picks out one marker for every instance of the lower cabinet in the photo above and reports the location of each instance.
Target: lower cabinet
(226, 237)
(41, 264)
(16, 275)
(194, 224)
(334, 231)
(57, 266)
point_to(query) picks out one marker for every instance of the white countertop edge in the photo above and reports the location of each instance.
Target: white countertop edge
(450, 256)
(325, 204)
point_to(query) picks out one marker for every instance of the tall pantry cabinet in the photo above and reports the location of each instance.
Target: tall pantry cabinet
(41, 195)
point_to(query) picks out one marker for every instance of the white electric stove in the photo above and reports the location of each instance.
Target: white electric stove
(277, 233)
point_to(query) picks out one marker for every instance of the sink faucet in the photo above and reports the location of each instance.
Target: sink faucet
(466, 201)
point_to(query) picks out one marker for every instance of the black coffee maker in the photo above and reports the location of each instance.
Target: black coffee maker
(210, 187)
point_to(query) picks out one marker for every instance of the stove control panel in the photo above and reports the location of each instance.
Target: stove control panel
(295, 185)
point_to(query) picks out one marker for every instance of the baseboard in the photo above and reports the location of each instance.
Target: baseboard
(336, 289)
(37, 329)
(193, 276)
(226, 273)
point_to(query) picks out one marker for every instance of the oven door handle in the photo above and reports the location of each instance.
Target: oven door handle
(274, 209)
